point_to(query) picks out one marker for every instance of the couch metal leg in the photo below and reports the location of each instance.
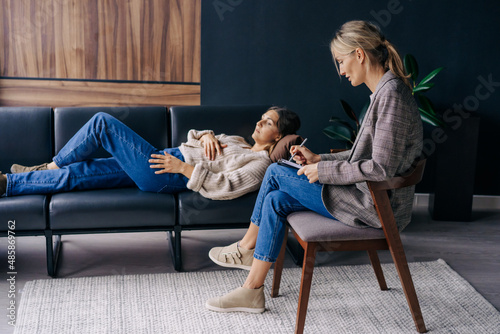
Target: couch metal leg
(53, 248)
(175, 248)
(171, 243)
(178, 251)
(49, 253)
(57, 251)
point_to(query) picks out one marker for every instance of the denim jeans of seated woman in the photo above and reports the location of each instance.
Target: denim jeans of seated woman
(281, 193)
(128, 166)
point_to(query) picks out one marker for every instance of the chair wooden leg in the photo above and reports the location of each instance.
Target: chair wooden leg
(391, 232)
(278, 268)
(377, 268)
(399, 257)
(305, 286)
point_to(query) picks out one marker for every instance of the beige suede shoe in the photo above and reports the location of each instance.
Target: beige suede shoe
(15, 168)
(232, 256)
(239, 300)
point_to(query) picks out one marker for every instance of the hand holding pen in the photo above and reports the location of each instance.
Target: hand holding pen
(308, 160)
(303, 155)
(301, 145)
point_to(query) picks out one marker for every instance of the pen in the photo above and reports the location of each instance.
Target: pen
(299, 146)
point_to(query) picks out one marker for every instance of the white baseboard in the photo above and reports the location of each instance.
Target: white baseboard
(479, 202)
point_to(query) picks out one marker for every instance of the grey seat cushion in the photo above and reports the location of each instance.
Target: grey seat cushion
(313, 227)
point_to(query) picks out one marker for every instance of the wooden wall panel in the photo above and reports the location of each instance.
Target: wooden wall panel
(131, 40)
(58, 93)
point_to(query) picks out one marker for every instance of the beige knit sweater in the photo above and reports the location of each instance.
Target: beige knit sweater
(237, 171)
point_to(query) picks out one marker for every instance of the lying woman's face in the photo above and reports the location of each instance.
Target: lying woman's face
(266, 130)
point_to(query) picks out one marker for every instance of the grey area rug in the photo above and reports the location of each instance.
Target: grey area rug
(344, 299)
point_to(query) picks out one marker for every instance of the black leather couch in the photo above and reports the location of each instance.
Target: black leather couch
(33, 135)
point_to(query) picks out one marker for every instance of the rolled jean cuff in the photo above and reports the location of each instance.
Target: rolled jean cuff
(57, 161)
(256, 222)
(263, 258)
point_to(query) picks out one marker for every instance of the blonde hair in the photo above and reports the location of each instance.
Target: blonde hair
(368, 37)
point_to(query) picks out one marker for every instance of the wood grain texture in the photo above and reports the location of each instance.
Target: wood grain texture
(133, 40)
(57, 93)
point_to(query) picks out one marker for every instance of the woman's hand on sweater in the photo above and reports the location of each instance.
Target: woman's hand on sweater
(167, 163)
(311, 171)
(212, 146)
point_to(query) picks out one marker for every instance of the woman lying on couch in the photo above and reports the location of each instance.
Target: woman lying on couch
(219, 167)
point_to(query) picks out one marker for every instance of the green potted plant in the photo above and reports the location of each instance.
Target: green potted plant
(345, 131)
(426, 108)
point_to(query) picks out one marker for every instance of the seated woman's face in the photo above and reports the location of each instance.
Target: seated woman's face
(266, 130)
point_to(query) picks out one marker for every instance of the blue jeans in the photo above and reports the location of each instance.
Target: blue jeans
(281, 193)
(128, 166)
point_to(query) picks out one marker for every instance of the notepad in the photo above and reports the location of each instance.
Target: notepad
(287, 163)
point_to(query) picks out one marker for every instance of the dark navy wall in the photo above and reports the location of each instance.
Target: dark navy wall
(277, 52)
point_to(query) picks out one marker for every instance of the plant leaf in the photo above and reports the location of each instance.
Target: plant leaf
(426, 104)
(431, 75)
(349, 111)
(411, 66)
(431, 119)
(363, 112)
(423, 87)
(428, 120)
(341, 121)
(338, 132)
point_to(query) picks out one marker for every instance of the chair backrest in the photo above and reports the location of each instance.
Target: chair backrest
(410, 178)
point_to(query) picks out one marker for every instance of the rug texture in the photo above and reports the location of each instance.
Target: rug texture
(344, 299)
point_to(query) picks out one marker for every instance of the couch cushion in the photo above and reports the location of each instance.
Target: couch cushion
(239, 120)
(28, 212)
(111, 208)
(151, 123)
(26, 136)
(195, 209)
(313, 227)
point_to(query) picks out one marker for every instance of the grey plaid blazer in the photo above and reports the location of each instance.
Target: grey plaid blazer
(389, 141)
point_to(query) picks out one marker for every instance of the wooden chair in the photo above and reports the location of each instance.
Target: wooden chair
(317, 233)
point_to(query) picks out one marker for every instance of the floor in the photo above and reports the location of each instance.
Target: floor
(470, 248)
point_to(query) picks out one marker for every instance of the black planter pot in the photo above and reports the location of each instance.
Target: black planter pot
(454, 169)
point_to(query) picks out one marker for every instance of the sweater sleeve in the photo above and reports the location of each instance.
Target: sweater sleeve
(387, 146)
(228, 185)
(194, 136)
